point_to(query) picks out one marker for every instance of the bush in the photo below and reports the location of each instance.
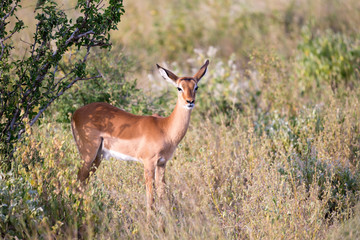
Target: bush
(33, 79)
(330, 58)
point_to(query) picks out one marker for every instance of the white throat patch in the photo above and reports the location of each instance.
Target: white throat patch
(189, 107)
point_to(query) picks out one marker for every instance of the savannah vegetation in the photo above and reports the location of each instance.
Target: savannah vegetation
(273, 147)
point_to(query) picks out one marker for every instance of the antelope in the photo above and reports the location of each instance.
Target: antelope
(102, 131)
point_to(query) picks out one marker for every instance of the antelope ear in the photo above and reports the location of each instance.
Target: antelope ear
(202, 71)
(167, 75)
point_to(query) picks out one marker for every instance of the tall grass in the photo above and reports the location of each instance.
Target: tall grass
(224, 182)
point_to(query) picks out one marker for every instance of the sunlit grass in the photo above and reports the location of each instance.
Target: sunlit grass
(223, 182)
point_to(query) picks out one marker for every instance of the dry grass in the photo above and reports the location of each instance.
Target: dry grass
(223, 182)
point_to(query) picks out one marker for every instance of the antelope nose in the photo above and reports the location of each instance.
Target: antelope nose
(190, 101)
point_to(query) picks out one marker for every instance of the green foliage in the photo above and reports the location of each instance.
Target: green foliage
(113, 88)
(331, 58)
(31, 82)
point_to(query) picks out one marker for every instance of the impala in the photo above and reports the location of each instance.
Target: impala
(102, 131)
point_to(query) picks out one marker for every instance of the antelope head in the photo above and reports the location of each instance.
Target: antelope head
(186, 86)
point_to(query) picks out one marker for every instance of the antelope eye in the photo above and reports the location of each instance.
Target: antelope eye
(196, 88)
(179, 89)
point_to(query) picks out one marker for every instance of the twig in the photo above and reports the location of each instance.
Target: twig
(99, 4)
(35, 39)
(2, 49)
(11, 124)
(9, 36)
(25, 42)
(2, 43)
(11, 11)
(73, 37)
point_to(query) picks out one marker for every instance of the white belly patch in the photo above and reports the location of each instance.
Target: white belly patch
(106, 153)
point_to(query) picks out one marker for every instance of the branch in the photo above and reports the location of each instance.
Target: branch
(100, 2)
(9, 36)
(3, 26)
(99, 44)
(25, 42)
(11, 11)
(35, 39)
(84, 34)
(71, 71)
(38, 55)
(58, 95)
(43, 71)
(3, 104)
(76, 37)
(87, 53)
(2, 50)
(72, 36)
(2, 43)
(11, 124)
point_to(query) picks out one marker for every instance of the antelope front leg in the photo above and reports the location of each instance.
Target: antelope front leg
(149, 173)
(160, 185)
(160, 191)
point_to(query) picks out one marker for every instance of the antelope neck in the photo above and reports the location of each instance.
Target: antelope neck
(177, 123)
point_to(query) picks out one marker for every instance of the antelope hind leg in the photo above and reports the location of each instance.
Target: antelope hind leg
(91, 160)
